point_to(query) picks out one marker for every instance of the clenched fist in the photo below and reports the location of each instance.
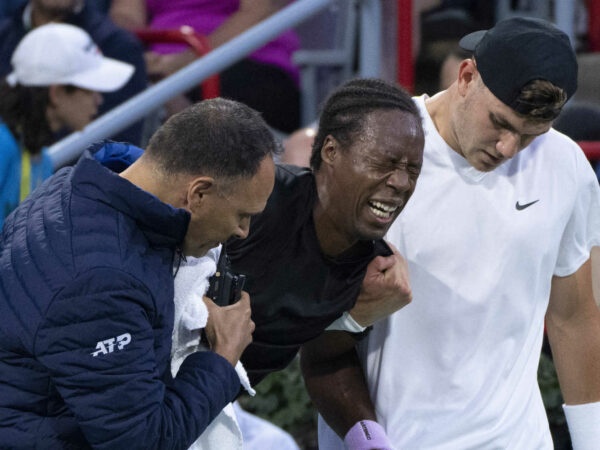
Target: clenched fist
(385, 289)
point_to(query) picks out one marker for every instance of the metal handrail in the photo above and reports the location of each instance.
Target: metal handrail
(136, 108)
(211, 86)
(370, 38)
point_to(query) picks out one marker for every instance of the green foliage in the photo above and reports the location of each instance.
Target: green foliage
(282, 399)
(550, 389)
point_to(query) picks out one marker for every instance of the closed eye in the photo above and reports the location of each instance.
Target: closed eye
(500, 123)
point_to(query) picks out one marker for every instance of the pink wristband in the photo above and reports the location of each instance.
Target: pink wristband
(367, 435)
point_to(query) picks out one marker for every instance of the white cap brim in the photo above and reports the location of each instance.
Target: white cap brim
(109, 76)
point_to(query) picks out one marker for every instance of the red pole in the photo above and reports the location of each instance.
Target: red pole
(210, 87)
(591, 149)
(594, 25)
(406, 72)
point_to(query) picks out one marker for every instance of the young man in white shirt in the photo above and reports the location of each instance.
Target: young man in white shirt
(497, 237)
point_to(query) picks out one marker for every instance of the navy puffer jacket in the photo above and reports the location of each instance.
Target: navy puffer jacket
(86, 316)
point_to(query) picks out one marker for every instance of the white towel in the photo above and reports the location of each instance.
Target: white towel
(191, 314)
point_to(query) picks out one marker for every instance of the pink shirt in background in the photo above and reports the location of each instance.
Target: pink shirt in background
(205, 16)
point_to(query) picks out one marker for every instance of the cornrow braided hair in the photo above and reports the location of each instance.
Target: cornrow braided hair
(345, 109)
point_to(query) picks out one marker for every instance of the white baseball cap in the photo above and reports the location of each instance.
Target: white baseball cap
(58, 53)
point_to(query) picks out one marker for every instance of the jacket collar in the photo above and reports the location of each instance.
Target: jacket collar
(162, 224)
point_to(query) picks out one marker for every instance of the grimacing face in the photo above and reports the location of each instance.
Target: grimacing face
(226, 213)
(488, 132)
(376, 175)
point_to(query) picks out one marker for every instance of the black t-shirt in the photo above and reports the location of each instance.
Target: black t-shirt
(295, 290)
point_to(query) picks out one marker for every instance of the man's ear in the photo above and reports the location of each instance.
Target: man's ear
(467, 75)
(329, 149)
(197, 190)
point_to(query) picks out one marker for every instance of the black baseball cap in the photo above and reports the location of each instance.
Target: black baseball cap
(519, 50)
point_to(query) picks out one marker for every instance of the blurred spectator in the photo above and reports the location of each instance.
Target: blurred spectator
(128, 14)
(450, 65)
(297, 147)
(441, 28)
(113, 41)
(266, 80)
(7, 7)
(53, 90)
(581, 122)
(420, 9)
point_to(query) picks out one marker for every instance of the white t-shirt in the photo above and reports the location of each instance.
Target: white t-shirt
(457, 368)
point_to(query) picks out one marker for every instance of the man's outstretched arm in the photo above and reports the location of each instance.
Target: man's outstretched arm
(335, 381)
(331, 368)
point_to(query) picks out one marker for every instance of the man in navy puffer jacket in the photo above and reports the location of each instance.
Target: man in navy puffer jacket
(86, 286)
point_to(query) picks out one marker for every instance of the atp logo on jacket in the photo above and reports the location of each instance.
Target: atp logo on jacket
(108, 345)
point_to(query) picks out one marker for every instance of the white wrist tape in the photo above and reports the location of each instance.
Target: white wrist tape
(584, 425)
(346, 323)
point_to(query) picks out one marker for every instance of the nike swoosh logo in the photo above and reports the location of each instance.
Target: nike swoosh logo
(526, 205)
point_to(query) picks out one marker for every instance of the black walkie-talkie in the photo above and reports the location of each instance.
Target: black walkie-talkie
(225, 286)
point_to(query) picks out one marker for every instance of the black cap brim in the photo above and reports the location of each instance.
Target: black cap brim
(470, 41)
(519, 50)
